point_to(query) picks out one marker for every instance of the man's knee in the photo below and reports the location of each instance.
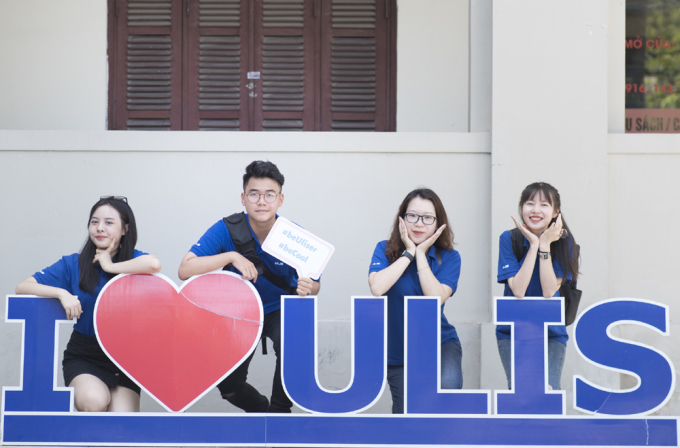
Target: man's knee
(247, 398)
(229, 388)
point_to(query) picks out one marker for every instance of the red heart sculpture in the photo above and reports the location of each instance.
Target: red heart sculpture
(178, 343)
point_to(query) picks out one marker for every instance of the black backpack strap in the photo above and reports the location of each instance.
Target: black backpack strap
(278, 281)
(572, 297)
(245, 245)
(518, 244)
(264, 344)
(242, 238)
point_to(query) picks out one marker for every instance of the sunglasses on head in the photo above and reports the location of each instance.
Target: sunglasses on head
(119, 198)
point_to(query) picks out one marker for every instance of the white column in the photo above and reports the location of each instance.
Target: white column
(549, 123)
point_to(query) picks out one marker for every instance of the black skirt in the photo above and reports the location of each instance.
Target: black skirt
(84, 355)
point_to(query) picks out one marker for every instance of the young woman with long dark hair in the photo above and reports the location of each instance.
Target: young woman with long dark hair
(76, 281)
(551, 260)
(417, 260)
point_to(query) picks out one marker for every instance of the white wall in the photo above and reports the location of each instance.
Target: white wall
(53, 65)
(617, 189)
(55, 75)
(433, 65)
(179, 184)
(643, 189)
(616, 65)
(549, 115)
(481, 42)
(643, 192)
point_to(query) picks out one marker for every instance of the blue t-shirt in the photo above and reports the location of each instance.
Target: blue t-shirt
(216, 240)
(508, 266)
(65, 274)
(409, 285)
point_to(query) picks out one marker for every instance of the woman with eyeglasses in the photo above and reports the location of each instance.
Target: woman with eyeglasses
(550, 259)
(76, 281)
(417, 260)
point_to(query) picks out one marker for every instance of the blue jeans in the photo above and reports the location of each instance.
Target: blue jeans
(452, 374)
(556, 352)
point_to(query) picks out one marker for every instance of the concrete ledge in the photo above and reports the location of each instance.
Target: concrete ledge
(644, 144)
(187, 141)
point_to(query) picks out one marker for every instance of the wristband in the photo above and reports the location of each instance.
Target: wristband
(543, 255)
(408, 255)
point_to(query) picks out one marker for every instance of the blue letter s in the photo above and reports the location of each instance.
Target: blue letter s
(653, 369)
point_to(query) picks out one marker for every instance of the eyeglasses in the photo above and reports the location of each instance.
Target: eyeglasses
(119, 198)
(269, 197)
(428, 220)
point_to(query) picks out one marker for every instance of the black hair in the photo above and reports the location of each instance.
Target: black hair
(89, 273)
(564, 250)
(260, 169)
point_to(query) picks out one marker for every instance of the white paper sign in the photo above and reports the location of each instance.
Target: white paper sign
(298, 248)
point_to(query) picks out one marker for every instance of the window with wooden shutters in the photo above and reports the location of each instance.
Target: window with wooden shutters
(146, 83)
(355, 78)
(264, 65)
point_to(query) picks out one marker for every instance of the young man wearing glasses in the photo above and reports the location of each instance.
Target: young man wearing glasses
(261, 197)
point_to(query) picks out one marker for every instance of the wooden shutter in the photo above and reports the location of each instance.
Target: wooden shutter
(216, 62)
(283, 98)
(314, 64)
(148, 67)
(356, 81)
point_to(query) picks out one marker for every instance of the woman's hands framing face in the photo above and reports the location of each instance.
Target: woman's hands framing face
(425, 245)
(533, 239)
(410, 245)
(422, 247)
(552, 233)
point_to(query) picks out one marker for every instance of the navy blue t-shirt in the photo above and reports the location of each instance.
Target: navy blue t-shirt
(409, 285)
(65, 274)
(217, 240)
(508, 266)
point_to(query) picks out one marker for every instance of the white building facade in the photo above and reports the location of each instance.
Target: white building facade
(491, 96)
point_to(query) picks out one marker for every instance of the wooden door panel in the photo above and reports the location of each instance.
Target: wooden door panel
(284, 57)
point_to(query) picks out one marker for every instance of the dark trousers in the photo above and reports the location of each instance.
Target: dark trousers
(451, 374)
(238, 392)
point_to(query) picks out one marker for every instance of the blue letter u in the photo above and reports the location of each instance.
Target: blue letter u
(299, 356)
